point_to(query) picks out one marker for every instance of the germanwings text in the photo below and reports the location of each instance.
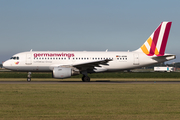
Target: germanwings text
(53, 55)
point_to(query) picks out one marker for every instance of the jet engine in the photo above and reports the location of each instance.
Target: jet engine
(63, 72)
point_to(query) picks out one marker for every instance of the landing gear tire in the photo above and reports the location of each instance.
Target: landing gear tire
(28, 79)
(86, 79)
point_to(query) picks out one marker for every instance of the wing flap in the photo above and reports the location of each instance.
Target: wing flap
(92, 64)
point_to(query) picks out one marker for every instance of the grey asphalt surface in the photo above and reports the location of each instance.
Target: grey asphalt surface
(92, 82)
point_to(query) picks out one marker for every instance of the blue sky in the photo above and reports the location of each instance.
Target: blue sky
(78, 25)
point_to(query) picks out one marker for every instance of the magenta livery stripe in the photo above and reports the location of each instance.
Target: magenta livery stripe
(165, 38)
(154, 42)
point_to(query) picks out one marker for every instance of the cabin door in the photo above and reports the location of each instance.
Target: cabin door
(28, 59)
(136, 59)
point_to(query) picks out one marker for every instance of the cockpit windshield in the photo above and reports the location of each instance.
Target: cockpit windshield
(14, 58)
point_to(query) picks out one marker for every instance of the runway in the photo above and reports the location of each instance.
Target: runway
(93, 82)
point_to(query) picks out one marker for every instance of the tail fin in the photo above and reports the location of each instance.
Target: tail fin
(156, 43)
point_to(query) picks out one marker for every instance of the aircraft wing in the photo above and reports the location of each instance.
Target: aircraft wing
(84, 66)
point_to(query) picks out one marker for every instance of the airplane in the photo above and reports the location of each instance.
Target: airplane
(64, 64)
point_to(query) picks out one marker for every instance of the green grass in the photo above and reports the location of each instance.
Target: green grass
(90, 101)
(96, 75)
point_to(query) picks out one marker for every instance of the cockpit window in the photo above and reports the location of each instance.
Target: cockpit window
(15, 58)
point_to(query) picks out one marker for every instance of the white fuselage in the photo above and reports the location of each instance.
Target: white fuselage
(46, 60)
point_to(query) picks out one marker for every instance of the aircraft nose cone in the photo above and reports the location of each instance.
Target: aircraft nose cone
(6, 64)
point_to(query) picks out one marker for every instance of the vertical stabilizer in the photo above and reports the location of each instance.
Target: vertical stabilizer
(156, 43)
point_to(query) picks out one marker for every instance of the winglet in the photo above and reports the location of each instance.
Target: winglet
(156, 43)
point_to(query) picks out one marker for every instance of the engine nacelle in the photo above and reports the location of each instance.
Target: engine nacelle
(62, 72)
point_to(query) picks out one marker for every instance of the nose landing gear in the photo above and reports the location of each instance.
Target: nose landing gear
(29, 77)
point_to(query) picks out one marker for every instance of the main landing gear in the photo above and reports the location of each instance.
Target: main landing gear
(85, 78)
(29, 77)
